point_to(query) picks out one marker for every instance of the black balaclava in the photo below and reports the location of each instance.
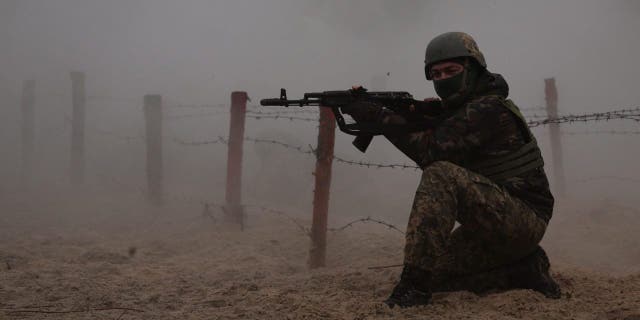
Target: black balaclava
(455, 90)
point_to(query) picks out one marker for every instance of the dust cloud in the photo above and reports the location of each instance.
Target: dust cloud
(99, 248)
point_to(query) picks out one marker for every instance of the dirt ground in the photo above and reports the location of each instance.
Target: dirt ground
(107, 259)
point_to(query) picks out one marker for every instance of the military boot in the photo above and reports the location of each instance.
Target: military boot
(532, 272)
(413, 289)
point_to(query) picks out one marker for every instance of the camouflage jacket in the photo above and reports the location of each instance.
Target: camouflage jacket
(483, 127)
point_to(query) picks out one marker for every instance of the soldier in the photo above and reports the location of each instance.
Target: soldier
(482, 168)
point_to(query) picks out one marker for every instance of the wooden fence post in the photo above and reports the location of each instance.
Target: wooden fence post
(233, 194)
(28, 131)
(324, 159)
(551, 94)
(78, 100)
(153, 135)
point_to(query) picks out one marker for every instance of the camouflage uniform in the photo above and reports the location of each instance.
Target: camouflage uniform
(499, 222)
(482, 168)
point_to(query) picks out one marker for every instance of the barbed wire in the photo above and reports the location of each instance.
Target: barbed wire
(300, 149)
(313, 151)
(559, 119)
(630, 114)
(208, 205)
(623, 179)
(366, 220)
(535, 116)
(610, 132)
(375, 165)
(218, 140)
(288, 216)
(197, 106)
(280, 117)
(253, 112)
(307, 230)
(197, 115)
(538, 120)
(264, 209)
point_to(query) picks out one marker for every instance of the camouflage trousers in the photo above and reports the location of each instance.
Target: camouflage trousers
(495, 227)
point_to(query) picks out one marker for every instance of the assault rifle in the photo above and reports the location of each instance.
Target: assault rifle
(420, 115)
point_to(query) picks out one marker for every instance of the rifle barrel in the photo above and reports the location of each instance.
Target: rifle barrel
(282, 102)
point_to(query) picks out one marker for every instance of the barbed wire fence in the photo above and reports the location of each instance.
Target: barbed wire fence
(624, 114)
(177, 112)
(209, 206)
(309, 150)
(601, 132)
(255, 114)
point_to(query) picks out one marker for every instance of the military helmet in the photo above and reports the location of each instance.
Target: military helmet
(452, 45)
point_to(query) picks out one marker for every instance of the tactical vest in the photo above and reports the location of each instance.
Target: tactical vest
(526, 158)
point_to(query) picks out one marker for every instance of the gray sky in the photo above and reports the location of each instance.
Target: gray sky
(202, 49)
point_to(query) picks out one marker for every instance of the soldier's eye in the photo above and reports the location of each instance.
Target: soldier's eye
(452, 70)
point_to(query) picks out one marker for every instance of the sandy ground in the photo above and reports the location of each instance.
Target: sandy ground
(106, 259)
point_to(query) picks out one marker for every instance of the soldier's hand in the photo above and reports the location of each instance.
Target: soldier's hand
(363, 111)
(360, 110)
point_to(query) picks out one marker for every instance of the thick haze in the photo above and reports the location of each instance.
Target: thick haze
(100, 249)
(197, 51)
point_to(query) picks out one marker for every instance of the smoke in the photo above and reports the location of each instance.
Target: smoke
(199, 51)
(372, 19)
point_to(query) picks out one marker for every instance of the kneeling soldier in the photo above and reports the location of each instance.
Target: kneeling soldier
(482, 168)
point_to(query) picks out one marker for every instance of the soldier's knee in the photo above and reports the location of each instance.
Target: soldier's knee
(440, 169)
(441, 165)
(440, 174)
